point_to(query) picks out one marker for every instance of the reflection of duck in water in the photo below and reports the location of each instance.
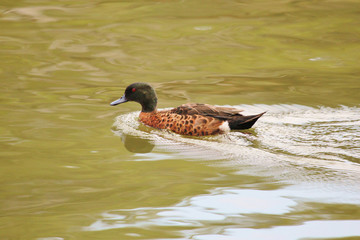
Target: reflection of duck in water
(136, 144)
(188, 119)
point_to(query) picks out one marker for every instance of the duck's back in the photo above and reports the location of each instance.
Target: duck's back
(207, 110)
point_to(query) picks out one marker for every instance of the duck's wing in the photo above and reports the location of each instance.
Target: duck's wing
(232, 115)
(207, 110)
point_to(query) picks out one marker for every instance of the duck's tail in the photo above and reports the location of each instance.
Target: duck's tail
(244, 122)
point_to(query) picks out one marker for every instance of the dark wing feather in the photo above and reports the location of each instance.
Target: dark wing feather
(223, 113)
(232, 115)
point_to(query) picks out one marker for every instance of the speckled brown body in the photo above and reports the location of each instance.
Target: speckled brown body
(193, 125)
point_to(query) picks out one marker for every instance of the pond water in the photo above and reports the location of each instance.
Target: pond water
(72, 167)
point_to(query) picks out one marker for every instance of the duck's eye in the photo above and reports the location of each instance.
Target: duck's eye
(133, 89)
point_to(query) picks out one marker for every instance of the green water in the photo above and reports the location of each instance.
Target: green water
(72, 167)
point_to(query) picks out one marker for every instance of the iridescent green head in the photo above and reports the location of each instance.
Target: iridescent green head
(142, 93)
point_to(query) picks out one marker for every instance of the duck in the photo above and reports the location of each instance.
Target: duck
(193, 119)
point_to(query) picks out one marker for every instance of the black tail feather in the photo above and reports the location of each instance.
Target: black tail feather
(244, 122)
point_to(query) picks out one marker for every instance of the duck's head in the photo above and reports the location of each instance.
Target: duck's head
(142, 93)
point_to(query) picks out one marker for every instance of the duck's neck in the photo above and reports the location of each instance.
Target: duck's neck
(149, 105)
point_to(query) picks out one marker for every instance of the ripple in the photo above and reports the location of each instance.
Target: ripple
(320, 133)
(36, 13)
(76, 66)
(293, 130)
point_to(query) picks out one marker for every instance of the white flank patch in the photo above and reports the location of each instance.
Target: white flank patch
(224, 127)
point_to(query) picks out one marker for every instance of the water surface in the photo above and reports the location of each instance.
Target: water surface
(72, 167)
